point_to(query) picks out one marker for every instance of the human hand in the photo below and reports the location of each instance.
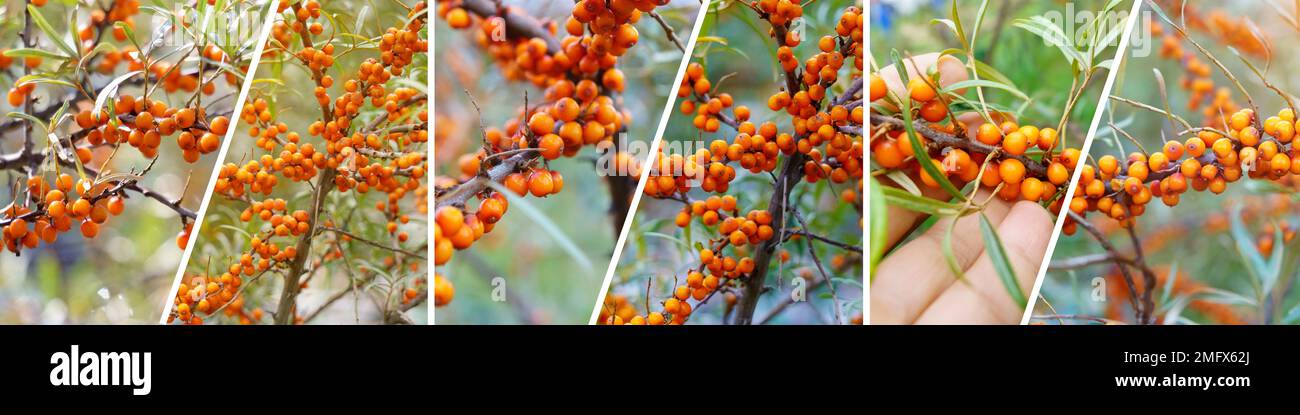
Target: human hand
(914, 285)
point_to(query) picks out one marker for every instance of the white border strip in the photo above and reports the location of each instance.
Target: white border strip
(1120, 55)
(271, 16)
(645, 172)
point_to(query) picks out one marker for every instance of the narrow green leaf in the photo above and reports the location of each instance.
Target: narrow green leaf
(904, 181)
(1169, 283)
(26, 116)
(950, 256)
(1001, 263)
(878, 226)
(1292, 316)
(987, 84)
(54, 36)
(1249, 252)
(921, 153)
(922, 204)
(33, 53)
(30, 79)
(110, 90)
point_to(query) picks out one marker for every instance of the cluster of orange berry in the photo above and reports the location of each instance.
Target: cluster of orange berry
(143, 123)
(1000, 161)
(1212, 161)
(201, 295)
(1197, 81)
(1237, 31)
(140, 122)
(55, 210)
(580, 79)
(18, 93)
(822, 135)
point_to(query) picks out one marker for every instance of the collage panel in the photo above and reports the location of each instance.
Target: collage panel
(973, 147)
(751, 211)
(114, 111)
(1185, 210)
(544, 112)
(318, 212)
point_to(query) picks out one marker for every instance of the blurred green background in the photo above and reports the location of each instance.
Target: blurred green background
(543, 283)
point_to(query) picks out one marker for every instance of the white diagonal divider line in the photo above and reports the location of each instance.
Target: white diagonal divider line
(645, 171)
(271, 16)
(1083, 156)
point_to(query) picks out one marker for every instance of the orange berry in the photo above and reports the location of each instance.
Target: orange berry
(1047, 138)
(920, 90)
(1031, 189)
(1016, 143)
(932, 111)
(540, 183)
(1057, 174)
(541, 123)
(1107, 165)
(878, 87)
(1012, 171)
(551, 146)
(989, 134)
(89, 229)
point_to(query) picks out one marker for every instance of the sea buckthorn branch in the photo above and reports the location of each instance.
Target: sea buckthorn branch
(788, 158)
(140, 123)
(1084, 261)
(668, 30)
(790, 174)
(1124, 271)
(358, 238)
(317, 63)
(812, 251)
(342, 164)
(28, 145)
(582, 106)
(461, 193)
(823, 239)
(813, 285)
(939, 140)
(1224, 69)
(518, 25)
(1148, 276)
(398, 314)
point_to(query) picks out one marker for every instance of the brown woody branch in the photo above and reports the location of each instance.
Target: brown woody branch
(358, 238)
(518, 25)
(1106, 245)
(939, 140)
